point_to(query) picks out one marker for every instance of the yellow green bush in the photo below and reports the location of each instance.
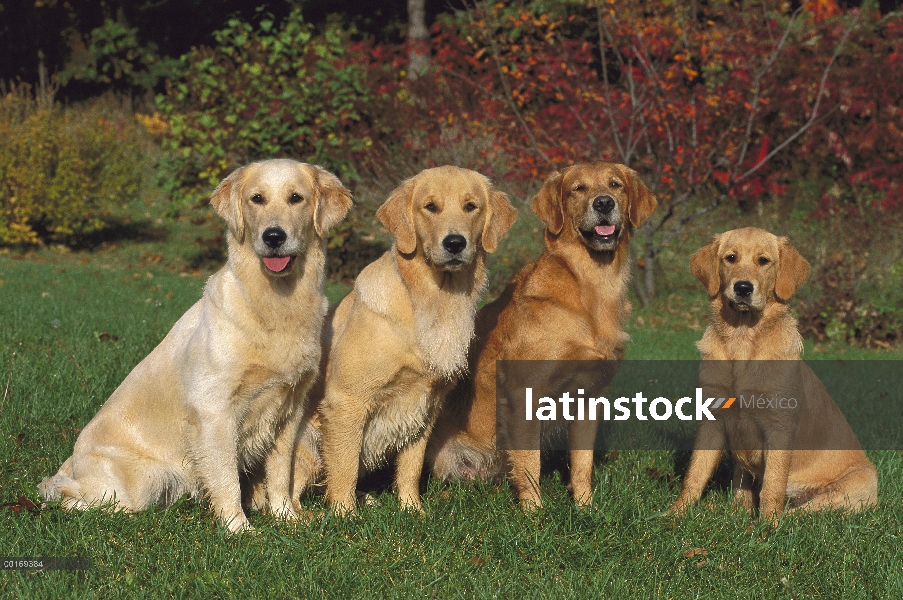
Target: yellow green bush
(63, 170)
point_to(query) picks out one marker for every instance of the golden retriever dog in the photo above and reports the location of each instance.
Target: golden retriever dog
(397, 342)
(218, 396)
(807, 457)
(569, 305)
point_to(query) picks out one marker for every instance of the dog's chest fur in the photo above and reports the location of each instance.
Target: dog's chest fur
(441, 319)
(443, 328)
(282, 353)
(773, 335)
(439, 324)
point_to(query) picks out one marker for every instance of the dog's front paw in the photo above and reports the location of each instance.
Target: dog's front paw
(530, 505)
(238, 524)
(412, 506)
(283, 510)
(344, 509)
(675, 510)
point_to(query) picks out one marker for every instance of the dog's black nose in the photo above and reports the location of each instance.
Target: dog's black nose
(743, 288)
(273, 237)
(603, 204)
(454, 243)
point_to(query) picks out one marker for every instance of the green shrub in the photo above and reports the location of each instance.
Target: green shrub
(261, 92)
(116, 59)
(62, 170)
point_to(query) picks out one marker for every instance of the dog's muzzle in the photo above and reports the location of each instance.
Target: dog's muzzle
(455, 252)
(602, 234)
(454, 243)
(274, 238)
(743, 292)
(744, 289)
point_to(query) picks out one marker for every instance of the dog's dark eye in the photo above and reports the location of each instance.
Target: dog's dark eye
(470, 207)
(614, 184)
(579, 187)
(731, 258)
(431, 206)
(763, 260)
(257, 199)
(295, 199)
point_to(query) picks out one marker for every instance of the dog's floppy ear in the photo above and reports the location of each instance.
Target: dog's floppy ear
(397, 215)
(500, 216)
(704, 264)
(792, 270)
(642, 201)
(226, 201)
(333, 201)
(547, 204)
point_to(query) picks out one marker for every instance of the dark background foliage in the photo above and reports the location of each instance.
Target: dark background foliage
(788, 116)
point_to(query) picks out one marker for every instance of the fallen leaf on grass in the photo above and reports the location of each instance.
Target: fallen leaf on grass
(696, 552)
(106, 336)
(21, 503)
(149, 258)
(20, 438)
(477, 560)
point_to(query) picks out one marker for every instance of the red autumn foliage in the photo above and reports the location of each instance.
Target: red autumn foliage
(716, 104)
(709, 102)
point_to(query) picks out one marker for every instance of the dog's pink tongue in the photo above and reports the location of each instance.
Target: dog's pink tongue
(277, 263)
(605, 229)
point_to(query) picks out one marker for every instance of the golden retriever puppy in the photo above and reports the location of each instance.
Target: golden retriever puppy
(569, 305)
(220, 394)
(808, 456)
(397, 343)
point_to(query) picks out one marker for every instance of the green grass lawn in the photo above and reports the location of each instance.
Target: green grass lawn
(71, 328)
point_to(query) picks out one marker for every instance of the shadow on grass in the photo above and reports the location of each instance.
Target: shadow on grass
(120, 230)
(720, 481)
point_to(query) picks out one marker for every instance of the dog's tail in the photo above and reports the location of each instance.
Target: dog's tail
(453, 454)
(62, 487)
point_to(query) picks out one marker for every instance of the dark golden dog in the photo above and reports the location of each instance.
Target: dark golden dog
(569, 305)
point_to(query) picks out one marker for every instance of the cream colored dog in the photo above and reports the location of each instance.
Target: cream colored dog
(399, 340)
(220, 394)
(808, 458)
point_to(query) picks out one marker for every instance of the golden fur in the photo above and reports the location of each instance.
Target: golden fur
(221, 393)
(568, 305)
(750, 274)
(399, 340)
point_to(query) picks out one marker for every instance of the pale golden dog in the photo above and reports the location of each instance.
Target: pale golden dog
(808, 457)
(397, 343)
(569, 305)
(220, 394)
